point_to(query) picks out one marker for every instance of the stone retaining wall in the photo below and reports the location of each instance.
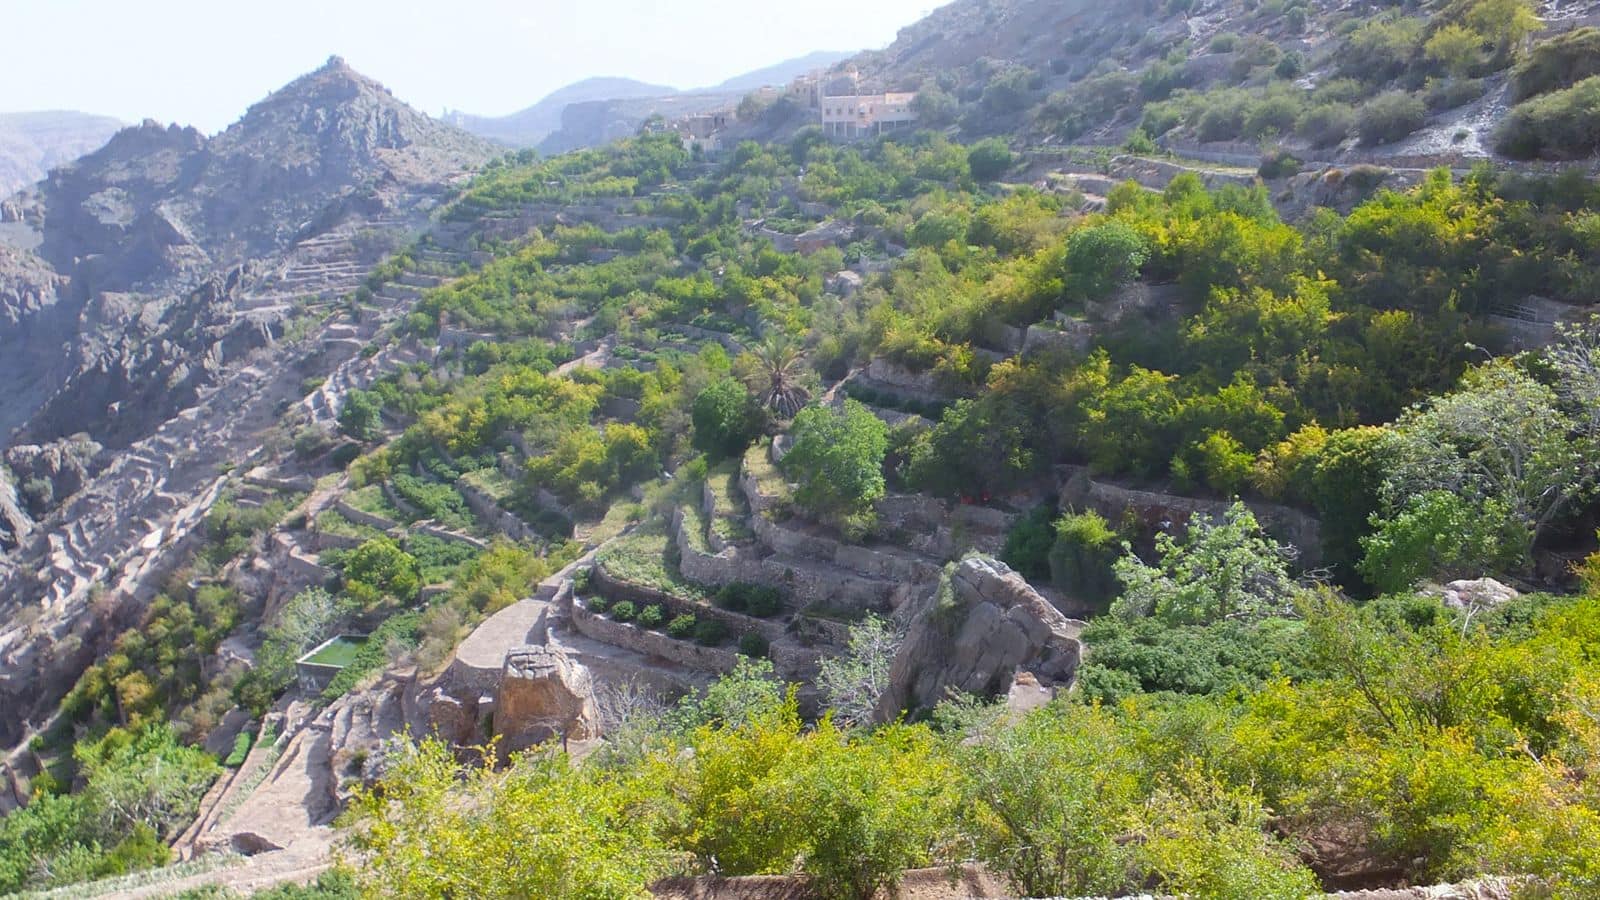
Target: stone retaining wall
(642, 640)
(615, 588)
(300, 485)
(306, 569)
(728, 341)
(400, 503)
(712, 569)
(863, 560)
(445, 534)
(491, 514)
(327, 540)
(1281, 522)
(360, 517)
(1046, 339)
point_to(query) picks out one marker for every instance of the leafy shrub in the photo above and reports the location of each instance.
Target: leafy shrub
(241, 749)
(1449, 93)
(837, 458)
(360, 417)
(710, 632)
(726, 419)
(762, 601)
(1278, 163)
(1560, 62)
(1561, 125)
(623, 611)
(753, 644)
(682, 626)
(1224, 42)
(1273, 115)
(652, 616)
(596, 604)
(1081, 557)
(1389, 117)
(989, 159)
(1028, 543)
(1139, 143)
(1326, 124)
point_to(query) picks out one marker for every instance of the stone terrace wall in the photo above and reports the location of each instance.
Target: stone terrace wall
(1282, 522)
(493, 515)
(617, 589)
(642, 640)
(364, 518)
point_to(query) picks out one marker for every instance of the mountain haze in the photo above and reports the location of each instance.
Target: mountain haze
(611, 107)
(33, 143)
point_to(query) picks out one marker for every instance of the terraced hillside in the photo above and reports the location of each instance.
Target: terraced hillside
(1239, 529)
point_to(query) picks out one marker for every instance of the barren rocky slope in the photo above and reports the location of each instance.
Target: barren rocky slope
(169, 308)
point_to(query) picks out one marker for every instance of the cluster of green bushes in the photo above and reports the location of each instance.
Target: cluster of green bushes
(708, 631)
(1426, 745)
(756, 600)
(1563, 124)
(230, 527)
(155, 670)
(139, 787)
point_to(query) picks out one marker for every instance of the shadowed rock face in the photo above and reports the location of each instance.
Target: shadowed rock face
(149, 248)
(974, 635)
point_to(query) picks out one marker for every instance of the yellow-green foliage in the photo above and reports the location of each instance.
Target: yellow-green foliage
(1415, 741)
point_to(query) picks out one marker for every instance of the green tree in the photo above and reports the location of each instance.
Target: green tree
(774, 371)
(1201, 837)
(379, 569)
(1101, 258)
(1046, 798)
(837, 458)
(1220, 569)
(543, 828)
(1441, 536)
(852, 682)
(1501, 436)
(1082, 556)
(361, 416)
(989, 159)
(726, 419)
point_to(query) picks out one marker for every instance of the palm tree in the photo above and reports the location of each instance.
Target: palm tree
(780, 365)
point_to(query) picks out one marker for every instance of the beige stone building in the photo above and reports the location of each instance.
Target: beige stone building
(863, 115)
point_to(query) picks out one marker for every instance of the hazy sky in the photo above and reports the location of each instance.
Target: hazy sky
(201, 62)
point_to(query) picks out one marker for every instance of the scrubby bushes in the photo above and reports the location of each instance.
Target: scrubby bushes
(989, 159)
(1326, 124)
(1558, 63)
(1564, 124)
(682, 626)
(140, 786)
(1389, 117)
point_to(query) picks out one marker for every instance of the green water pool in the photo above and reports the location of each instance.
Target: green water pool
(340, 652)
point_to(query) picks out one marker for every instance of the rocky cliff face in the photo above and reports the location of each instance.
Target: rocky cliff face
(153, 250)
(983, 629)
(144, 294)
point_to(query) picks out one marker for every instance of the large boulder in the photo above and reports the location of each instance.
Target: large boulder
(974, 635)
(543, 696)
(1474, 594)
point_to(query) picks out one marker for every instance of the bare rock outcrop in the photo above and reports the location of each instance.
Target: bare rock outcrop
(1474, 594)
(49, 473)
(544, 695)
(973, 635)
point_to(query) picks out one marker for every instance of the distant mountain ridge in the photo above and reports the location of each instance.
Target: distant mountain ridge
(33, 143)
(623, 103)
